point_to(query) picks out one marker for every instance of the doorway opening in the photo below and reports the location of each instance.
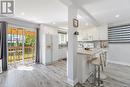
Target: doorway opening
(21, 46)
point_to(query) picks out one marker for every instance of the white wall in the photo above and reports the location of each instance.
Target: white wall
(19, 22)
(119, 53)
(49, 30)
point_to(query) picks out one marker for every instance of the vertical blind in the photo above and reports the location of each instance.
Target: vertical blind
(119, 34)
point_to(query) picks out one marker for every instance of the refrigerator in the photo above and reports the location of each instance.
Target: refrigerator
(48, 48)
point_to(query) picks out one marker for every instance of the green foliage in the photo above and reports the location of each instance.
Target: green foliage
(29, 40)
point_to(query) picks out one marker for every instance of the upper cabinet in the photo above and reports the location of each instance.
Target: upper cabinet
(103, 32)
(95, 33)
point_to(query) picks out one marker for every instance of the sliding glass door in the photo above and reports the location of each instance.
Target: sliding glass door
(29, 46)
(14, 46)
(21, 45)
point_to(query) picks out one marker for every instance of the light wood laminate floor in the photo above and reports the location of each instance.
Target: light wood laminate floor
(54, 75)
(118, 75)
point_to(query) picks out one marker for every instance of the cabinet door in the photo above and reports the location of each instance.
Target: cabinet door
(103, 33)
(55, 47)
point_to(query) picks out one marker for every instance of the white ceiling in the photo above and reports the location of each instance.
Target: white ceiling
(56, 11)
(105, 10)
(42, 11)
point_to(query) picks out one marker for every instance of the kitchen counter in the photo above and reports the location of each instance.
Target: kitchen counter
(85, 69)
(89, 52)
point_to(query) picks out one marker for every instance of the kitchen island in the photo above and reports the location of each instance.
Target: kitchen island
(86, 69)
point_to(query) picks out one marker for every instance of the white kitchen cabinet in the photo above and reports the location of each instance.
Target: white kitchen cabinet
(103, 32)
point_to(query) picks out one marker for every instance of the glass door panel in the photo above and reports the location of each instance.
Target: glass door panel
(29, 46)
(21, 46)
(12, 45)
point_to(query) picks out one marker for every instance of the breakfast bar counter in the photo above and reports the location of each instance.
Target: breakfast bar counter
(85, 69)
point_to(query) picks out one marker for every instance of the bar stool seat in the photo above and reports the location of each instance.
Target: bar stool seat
(96, 61)
(97, 77)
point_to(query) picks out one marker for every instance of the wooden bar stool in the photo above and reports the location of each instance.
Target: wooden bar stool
(97, 62)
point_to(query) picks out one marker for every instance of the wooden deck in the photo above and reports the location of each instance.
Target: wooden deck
(15, 53)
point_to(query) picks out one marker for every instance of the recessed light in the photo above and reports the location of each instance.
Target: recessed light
(86, 24)
(39, 21)
(117, 16)
(33, 18)
(79, 17)
(53, 23)
(22, 13)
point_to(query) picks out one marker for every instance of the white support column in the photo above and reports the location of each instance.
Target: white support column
(72, 47)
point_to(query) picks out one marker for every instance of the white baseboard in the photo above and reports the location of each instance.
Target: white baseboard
(71, 82)
(120, 63)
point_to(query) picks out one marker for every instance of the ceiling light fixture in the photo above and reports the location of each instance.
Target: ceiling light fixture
(117, 16)
(86, 24)
(34, 19)
(79, 17)
(53, 23)
(22, 13)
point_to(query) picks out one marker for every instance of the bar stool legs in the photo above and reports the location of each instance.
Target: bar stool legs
(97, 80)
(98, 75)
